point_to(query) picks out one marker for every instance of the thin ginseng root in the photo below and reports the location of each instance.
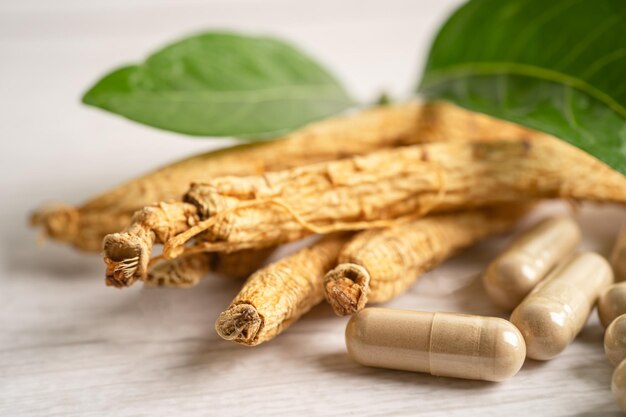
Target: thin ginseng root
(378, 265)
(125, 253)
(235, 213)
(279, 294)
(86, 225)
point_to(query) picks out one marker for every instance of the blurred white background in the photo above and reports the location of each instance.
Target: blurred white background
(52, 51)
(70, 346)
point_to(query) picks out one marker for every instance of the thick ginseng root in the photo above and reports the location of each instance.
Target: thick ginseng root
(187, 271)
(378, 265)
(85, 226)
(279, 294)
(237, 213)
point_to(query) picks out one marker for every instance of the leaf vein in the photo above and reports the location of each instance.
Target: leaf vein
(436, 77)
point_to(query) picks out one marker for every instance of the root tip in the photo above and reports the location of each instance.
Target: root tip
(59, 221)
(126, 258)
(241, 323)
(346, 288)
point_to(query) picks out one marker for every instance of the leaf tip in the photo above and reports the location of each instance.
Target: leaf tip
(118, 81)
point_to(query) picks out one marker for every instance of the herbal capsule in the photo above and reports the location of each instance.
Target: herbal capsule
(553, 314)
(618, 386)
(615, 340)
(513, 274)
(612, 303)
(442, 344)
(618, 257)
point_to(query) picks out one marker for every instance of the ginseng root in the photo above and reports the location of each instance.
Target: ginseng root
(85, 226)
(279, 294)
(378, 265)
(128, 252)
(237, 213)
(341, 137)
(187, 271)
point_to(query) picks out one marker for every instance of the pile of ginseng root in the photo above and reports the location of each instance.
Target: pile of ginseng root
(390, 191)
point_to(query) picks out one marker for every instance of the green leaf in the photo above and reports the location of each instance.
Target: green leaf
(557, 66)
(222, 84)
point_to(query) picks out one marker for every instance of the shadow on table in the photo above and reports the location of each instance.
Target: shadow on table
(472, 299)
(214, 354)
(340, 362)
(23, 255)
(592, 333)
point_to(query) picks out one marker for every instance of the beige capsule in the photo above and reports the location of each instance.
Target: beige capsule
(530, 257)
(553, 314)
(615, 340)
(612, 303)
(618, 257)
(618, 385)
(442, 344)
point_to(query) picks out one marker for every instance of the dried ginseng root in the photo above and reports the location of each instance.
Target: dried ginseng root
(279, 294)
(127, 252)
(237, 213)
(85, 226)
(378, 265)
(187, 271)
(332, 139)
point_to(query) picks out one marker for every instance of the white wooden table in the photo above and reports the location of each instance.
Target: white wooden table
(70, 346)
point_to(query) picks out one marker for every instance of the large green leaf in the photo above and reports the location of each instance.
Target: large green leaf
(558, 66)
(222, 84)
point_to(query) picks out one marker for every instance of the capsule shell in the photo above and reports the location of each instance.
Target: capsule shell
(529, 259)
(557, 309)
(615, 340)
(618, 385)
(612, 303)
(442, 344)
(618, 257)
